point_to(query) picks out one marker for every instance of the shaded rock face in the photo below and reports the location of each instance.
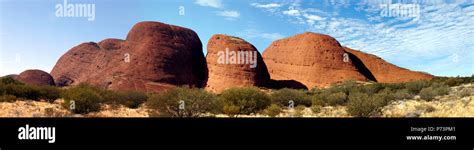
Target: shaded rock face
(314, 60)
(35, 77)
(155, 56)
(233, 62)
(385, 72)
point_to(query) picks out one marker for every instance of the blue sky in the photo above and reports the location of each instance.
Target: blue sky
(438, 40)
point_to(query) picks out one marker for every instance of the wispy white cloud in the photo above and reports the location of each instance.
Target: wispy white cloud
(229, 14)
(292, 12)
(210, 3)
(254, 33)
(267, 6)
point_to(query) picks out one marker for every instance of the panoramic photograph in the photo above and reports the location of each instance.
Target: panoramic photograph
(223, 59)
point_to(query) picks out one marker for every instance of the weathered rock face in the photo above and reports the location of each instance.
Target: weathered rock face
(385, 72)
(233, 62)
(154, 56)
(314, 60)
(35, 77)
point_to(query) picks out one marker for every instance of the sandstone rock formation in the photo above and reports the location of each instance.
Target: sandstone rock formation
(35, 77)
(154, 56)
(314, 60)
(233, 62)
(383, 71)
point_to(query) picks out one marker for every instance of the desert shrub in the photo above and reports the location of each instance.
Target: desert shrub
(363, 105)
(133, 99)
(394, 86)
(382, 98)
(402, 94)
(425, 108)
(327, 97)
(273, 110)
(430, 93)
(299, 111)
(415, 87)
(231, 110)
(81, 99)
(466, 92)
(427, 93)
(130, 99)
(282, 97)
(336, 99)
(7, 98)
(454, 81)
(345, 87)
(371, 88)
(318, 100)
(22, 91)
(248, 99)
(49, 93)
(111, 97)
(316, 109)
(9, 80)
(31, 92)
(183, 102)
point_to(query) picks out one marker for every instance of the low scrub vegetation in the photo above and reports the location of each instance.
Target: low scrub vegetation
(82, 99)
(9, 86)
(248, 100)
(360, 99)
(183, 102)
(286, 97)
(273, 110)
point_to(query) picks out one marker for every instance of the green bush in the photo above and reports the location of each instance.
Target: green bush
(336, 99)
(183, 102)
(81, 100)
(318, 100)
(133, 99)
(9, 86)
(326, 97)
(9, 80)
(430, 93)
(231, 110)
(363, 105)
(130, 99)
(49, 93)
(282, 97)
(402, 94)
(273, 110)
(22, 91)
(248, 99)
(7, 98)
(316, 108)
(415, 87)
(372, 88)
(454, 81)
(299, 111)
(345, 87)
(466, 92)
